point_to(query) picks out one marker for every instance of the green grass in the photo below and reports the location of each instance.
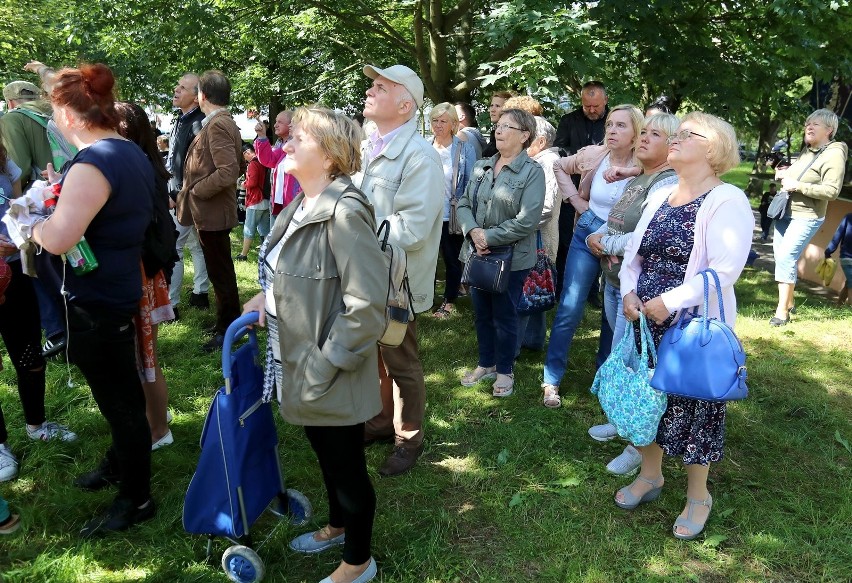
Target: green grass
(506, 490)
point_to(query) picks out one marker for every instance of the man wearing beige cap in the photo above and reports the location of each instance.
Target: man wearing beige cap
(23, 129)
(402, 176)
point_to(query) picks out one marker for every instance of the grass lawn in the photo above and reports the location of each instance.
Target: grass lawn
(506, 490)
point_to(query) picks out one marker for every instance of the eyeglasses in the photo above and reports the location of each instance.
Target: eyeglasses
(682, 136)
(502, 127)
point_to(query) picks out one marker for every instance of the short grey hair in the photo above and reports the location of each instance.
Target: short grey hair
(826, 117)
(544, 129)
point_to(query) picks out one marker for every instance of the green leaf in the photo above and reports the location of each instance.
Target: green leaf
(566, 482)
(503, 457)
(518, 498)
(714, 540)
(839, 439)
(726, 513)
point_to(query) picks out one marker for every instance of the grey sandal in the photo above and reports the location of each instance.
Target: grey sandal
(631, 500)
(687, 523)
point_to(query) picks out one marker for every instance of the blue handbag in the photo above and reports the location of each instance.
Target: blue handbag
(700, 357)
(622, 387)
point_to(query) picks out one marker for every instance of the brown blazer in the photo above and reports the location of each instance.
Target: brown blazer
(214, 162)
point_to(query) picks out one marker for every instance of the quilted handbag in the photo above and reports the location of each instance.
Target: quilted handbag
(539, 292)
(489, 273)
(700, 357)
(622, 387)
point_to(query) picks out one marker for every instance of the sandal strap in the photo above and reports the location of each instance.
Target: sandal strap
(654, 484)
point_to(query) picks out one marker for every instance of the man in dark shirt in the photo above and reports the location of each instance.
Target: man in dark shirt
(187, 124)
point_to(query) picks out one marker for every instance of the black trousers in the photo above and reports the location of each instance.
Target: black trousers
(450, 248)
(351, 498)
(21, 330)
(216, 246)
(101, 344)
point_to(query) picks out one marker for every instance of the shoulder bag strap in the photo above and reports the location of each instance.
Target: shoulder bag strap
(456, 169)
(814, 159)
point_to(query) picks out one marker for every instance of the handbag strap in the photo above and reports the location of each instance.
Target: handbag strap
(539, 244)
(456, 170)
(647, 341)
(476, 192)
(704, 275)
(814, 159)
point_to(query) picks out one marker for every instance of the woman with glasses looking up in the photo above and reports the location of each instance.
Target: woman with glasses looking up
(604, 173)
(814, 179)
(502, 206)
(698, 223)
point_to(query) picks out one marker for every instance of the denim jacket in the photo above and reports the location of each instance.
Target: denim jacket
(508, 207)
(467, 158)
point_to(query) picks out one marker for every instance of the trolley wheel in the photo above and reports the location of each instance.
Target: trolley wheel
(242, 565)
(300, 510)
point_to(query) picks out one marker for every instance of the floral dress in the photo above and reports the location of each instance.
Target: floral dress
(690, 428)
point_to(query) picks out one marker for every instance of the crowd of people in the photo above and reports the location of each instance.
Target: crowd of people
(626, 203)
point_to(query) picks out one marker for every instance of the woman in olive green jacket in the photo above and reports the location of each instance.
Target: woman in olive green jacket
(325, 290)
(502, 206)
(813, 180)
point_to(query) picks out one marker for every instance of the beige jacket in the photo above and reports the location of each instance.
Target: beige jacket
(330, 293)
(820, 183)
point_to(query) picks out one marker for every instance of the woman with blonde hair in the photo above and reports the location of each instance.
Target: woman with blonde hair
(323, 301)
(610, 241)
(604, 172)
(815, 178)
(697, 224)
(457, 159)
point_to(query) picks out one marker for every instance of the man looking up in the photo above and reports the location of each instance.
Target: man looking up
(208, 198)
(404, 180)
(186, 126)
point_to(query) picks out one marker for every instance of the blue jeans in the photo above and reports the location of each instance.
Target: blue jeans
(846, 266)
(496, 322)
(614, 312)
(257, 221)
(581, 270)
(789, 241)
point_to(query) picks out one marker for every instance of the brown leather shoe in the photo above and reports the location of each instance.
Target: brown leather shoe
(400, 460)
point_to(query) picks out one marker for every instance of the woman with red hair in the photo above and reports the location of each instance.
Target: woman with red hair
(107, 196)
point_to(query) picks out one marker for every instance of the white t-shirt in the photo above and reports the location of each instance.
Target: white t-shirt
(447, 164)
(603, 195)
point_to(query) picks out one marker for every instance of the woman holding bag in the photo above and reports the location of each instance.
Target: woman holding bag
(701, 222)
(502, 206)
(814, 179)
(457, 159)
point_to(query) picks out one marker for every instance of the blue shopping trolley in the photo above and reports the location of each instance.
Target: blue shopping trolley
(238, 474)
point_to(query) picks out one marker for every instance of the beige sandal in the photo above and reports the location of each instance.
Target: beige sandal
(480, 373)
(551, 400)
(504, 386)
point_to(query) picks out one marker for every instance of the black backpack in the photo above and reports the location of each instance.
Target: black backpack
(158, 249)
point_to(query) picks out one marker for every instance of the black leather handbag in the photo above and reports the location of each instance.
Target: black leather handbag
(490, 272)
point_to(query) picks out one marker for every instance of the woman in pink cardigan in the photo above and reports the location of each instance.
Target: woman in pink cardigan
(284, 186)
(701, 222)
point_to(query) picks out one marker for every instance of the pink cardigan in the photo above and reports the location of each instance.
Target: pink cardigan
(585, 163)
(272, 158)
(723, 232)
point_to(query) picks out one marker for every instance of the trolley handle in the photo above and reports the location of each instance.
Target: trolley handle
(237, 330)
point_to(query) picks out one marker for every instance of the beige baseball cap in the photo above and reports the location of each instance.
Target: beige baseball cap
(21, 90)
(402, 75)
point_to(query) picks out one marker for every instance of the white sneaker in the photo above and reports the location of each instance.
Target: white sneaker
(603, 432)
(51, 430)
(626, 463)
(8, 464)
